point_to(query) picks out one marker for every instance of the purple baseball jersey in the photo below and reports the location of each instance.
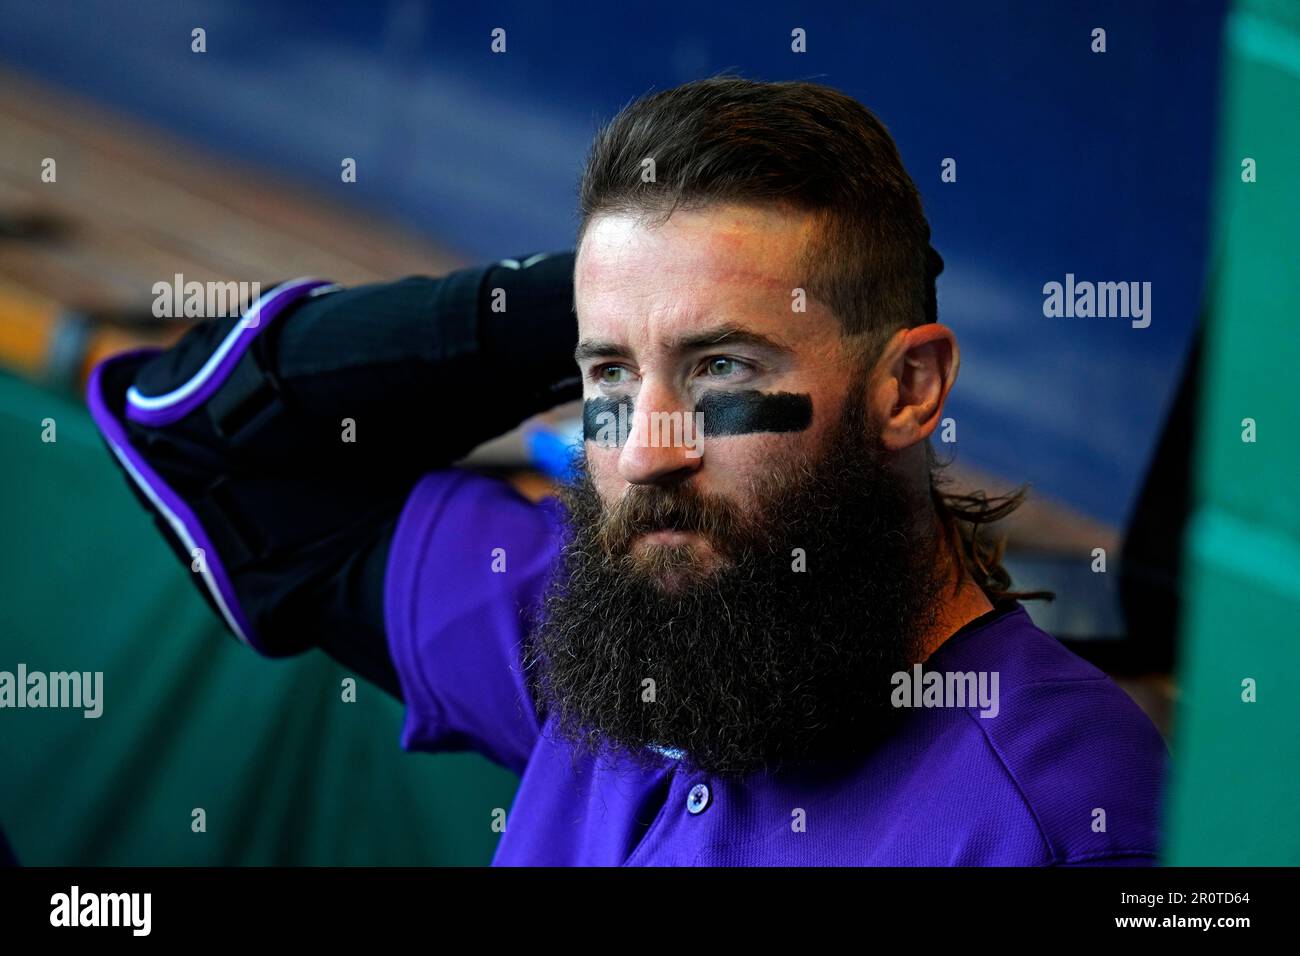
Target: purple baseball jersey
(1067, 772)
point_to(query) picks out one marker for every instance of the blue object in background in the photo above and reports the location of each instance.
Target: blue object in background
(551, 448)
(1068, 161)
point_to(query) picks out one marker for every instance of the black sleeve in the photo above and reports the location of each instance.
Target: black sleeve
(295, 467)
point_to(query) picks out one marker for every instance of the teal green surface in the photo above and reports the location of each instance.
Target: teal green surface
(1236, 793)
(287, 772)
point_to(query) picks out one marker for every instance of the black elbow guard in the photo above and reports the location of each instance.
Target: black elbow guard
(236, 438)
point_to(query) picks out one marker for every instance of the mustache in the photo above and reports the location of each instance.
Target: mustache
(644, 509)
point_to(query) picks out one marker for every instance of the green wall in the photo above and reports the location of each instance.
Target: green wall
(287, 772)
(1236, 793)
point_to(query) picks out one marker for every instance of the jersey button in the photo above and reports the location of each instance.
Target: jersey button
(698, 798)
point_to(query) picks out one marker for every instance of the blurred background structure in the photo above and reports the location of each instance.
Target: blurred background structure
(225, 165)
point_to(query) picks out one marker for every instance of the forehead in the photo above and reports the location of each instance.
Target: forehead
(720, 262)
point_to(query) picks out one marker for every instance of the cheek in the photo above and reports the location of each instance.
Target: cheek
(732, 465)
(602, 467)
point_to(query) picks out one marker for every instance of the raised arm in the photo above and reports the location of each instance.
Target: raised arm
(276, 451)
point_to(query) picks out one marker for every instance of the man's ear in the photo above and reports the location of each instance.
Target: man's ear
(912, 379)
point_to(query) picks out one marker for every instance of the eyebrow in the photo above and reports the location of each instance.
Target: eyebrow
(728, 334)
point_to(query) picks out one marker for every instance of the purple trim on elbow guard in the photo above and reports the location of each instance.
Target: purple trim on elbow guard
(155, 410)
(169, 504)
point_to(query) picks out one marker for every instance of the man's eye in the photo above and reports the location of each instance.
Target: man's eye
(720, 366)
(611, 374)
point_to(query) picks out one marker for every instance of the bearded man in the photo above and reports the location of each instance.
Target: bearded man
(781, 643)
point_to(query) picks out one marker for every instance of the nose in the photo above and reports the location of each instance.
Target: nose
(663, 445)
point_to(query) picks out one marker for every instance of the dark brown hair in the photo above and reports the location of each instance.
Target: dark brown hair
(728, 139)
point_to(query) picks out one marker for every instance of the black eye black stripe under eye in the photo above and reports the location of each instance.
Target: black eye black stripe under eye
(599, 413)
(749, 410)
(742, 412)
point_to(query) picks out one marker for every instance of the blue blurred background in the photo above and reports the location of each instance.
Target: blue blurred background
(1068, 161)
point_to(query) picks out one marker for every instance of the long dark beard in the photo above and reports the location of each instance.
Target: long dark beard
(755, 664)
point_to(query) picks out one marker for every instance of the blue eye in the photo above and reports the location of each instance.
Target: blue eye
(720, 366)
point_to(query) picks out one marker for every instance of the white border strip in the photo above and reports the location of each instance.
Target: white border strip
(183, 533)
(154, 402)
